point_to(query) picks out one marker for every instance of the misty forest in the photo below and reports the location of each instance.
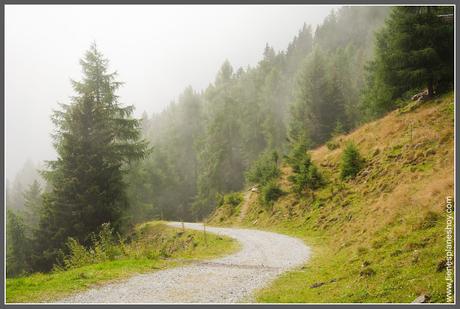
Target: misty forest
(253, 128)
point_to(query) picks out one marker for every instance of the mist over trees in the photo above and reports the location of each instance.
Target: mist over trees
(176, 165)
(206, 141)
(15, 189)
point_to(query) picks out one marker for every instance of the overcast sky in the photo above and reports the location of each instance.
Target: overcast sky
(157, 51)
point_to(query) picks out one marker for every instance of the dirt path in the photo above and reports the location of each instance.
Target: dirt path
(230, 279)
(245, 206)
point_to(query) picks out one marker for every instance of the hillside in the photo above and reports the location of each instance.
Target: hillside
(377, 238)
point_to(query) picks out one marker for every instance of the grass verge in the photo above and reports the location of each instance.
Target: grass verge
(167, 247)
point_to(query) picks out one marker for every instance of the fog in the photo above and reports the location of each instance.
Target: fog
(157, 51)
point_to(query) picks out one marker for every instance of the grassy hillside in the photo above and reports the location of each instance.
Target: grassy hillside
(379, 237)
(156, 246)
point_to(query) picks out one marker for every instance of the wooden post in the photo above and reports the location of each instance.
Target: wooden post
(183, 227)
(204, 231)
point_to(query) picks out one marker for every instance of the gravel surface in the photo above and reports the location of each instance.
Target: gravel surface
(230, 279)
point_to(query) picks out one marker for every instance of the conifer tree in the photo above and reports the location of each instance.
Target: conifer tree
(17, 252)
(32, 205)
(319, 101)
(95, 137)
(414, 50)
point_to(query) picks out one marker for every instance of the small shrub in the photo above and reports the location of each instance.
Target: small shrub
(298, 155)
(270, 193)
(78, 255)
(307, 177)
(352, 162)
(339, 129)
(233, 199)
(367, 272)
(105, 244)
(306, 174)
(332, 145)
(219, 199)
(264, 169)
(429, 220)
(104, 247)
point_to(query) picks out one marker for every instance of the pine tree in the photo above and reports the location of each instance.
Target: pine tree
(319, 101)
(351, 161)
(95, 137)
(414, 50)
(33, 204)
(17, 244)
(221, 163)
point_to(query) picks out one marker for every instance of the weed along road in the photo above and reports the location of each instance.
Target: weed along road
(231, 279)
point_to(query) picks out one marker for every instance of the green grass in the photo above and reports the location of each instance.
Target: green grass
(378, 238)
(384, 270)
(175, 248)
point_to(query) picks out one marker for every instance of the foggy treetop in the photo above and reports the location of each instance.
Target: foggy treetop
(157, 51)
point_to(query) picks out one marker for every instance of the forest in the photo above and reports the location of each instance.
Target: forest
(180, 164)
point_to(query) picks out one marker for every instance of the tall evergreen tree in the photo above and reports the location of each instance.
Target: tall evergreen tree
(95, 137)
(221, 161)
(414, 50)
(17, 250)
(319, 102)
(33, 204)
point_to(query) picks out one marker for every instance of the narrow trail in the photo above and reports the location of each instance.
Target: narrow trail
(245, 206)
(231, 279)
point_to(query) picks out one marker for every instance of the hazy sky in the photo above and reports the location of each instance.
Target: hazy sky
(157, 51)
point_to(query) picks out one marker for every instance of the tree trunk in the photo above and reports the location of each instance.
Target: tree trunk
(430, 89)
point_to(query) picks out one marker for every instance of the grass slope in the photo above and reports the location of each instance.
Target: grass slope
(157, 247)
(379, 237)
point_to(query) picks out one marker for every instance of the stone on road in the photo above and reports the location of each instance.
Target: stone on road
(231, 279)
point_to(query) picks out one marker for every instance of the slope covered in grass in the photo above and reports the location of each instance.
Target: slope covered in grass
(156, 246)
(381, 236)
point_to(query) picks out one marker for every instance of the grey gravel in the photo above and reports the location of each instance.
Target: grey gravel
(231, 279)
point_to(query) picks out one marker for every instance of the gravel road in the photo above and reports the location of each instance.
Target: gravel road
(230, 279)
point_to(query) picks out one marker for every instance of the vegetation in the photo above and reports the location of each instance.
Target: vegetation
(413, 51)
(258, 126)
(380, 238)
(208, 143)
(95, 137)
(305, 174)
(233, 199)
(264, 169)
(351, 161)
(153, 246)
(17, 252)
(271, 191)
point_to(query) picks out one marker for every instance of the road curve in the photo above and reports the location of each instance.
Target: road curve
(231, 279)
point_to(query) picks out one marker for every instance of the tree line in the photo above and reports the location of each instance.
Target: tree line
(112, 168)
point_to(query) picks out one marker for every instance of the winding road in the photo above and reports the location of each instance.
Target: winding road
(231, 279)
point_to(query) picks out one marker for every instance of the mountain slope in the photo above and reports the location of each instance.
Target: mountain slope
(380, 237)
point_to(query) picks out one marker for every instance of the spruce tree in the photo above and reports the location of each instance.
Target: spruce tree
(17, 246)
(414, 50)
(319, 102)
(95, 138)
(32, 205)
